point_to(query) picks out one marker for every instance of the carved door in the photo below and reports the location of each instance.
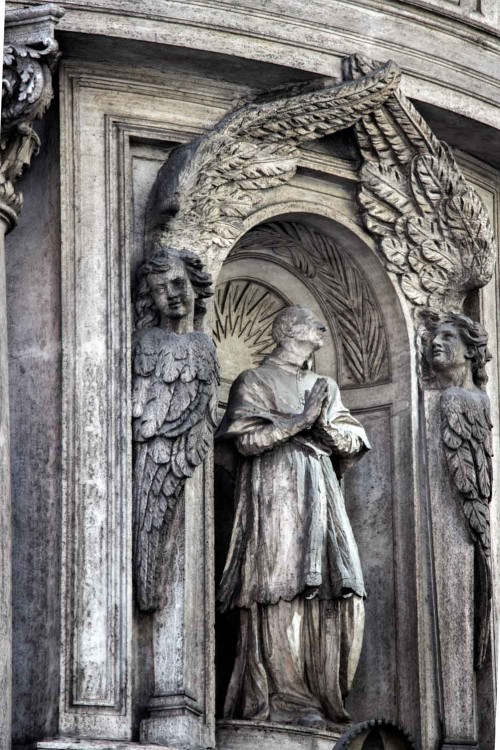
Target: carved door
(293, 262)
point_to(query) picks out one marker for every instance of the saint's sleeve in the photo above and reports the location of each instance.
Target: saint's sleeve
(249, 419)
(340, 431)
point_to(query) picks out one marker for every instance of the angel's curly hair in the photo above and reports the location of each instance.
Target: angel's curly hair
(146, 314)
(473, 334)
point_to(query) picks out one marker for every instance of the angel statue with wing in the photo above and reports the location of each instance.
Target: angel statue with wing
(456, 353)
(174, 402)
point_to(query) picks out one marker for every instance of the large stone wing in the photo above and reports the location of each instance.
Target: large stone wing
(207, 186)
(433, 229)
(466, 431)
(174, 416)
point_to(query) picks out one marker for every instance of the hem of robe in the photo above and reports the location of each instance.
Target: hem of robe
(245, 602)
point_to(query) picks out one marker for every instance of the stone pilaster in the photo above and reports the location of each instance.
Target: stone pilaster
(30, 55)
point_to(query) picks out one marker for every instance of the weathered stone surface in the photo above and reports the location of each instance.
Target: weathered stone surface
(239, 735)
(33, 279)
(26, 94)
(119, 120)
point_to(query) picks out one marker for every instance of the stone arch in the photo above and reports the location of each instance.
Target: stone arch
(379, 495)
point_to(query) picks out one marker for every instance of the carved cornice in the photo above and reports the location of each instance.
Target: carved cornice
(29, 60)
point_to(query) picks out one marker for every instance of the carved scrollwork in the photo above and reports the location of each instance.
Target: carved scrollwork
(26, 95)
(432, 227)
(205, 188)
(344, 292)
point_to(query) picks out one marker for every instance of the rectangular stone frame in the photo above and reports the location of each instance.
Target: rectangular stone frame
(97, 238)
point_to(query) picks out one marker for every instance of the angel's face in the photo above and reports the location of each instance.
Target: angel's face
(172, 292)
(447, 348)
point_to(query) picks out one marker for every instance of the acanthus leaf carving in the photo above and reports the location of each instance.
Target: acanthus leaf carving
(433, 229)
(206, 187)
(26, 95)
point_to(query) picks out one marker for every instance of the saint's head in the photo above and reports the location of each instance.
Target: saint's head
(172, 285)
(296, 326)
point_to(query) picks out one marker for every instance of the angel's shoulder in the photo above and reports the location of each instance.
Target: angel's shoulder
(151, 340)
(460, 399)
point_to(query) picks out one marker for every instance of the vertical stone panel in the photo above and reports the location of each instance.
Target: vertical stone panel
(96, 454)
(453, 561)
(369, 502)
(5, 522)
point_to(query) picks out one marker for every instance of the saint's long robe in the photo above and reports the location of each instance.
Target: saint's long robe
(293, 567)
(291, 532)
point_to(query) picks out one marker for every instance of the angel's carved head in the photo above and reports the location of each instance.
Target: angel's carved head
(171, 284)
(454, 343)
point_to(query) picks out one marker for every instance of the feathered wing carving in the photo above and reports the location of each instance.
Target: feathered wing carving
(432, 227)
(466, 431)
(174, 403)
(206, 187)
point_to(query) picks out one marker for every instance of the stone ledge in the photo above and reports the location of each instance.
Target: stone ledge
(237, 735)
(72, 743)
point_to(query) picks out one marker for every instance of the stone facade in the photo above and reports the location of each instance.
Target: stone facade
(306, 174)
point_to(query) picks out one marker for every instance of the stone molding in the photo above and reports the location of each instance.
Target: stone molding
(305, 37)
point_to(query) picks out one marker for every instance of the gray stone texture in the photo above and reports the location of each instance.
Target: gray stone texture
(33, 273)
(136, 80)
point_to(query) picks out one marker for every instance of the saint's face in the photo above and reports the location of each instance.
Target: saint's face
(447, 348)
(310, 330)
(172, 292)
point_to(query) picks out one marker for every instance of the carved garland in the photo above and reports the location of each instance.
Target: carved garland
(342, 288)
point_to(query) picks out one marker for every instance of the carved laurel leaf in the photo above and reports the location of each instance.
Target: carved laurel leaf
(339, 283)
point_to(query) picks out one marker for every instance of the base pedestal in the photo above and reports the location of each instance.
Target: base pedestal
(248, 735)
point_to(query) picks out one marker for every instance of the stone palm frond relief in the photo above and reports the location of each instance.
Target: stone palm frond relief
(432, 227)
(344, 292)
(206, 187)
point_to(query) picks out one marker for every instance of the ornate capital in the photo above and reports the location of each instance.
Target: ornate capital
(29, 60)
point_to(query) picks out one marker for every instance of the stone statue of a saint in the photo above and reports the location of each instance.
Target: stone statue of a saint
(174, 406)
(293, 567)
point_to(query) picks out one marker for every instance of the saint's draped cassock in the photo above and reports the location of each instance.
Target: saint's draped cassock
(293, 566)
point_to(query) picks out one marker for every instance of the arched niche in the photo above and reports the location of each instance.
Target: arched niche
(262, 268)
